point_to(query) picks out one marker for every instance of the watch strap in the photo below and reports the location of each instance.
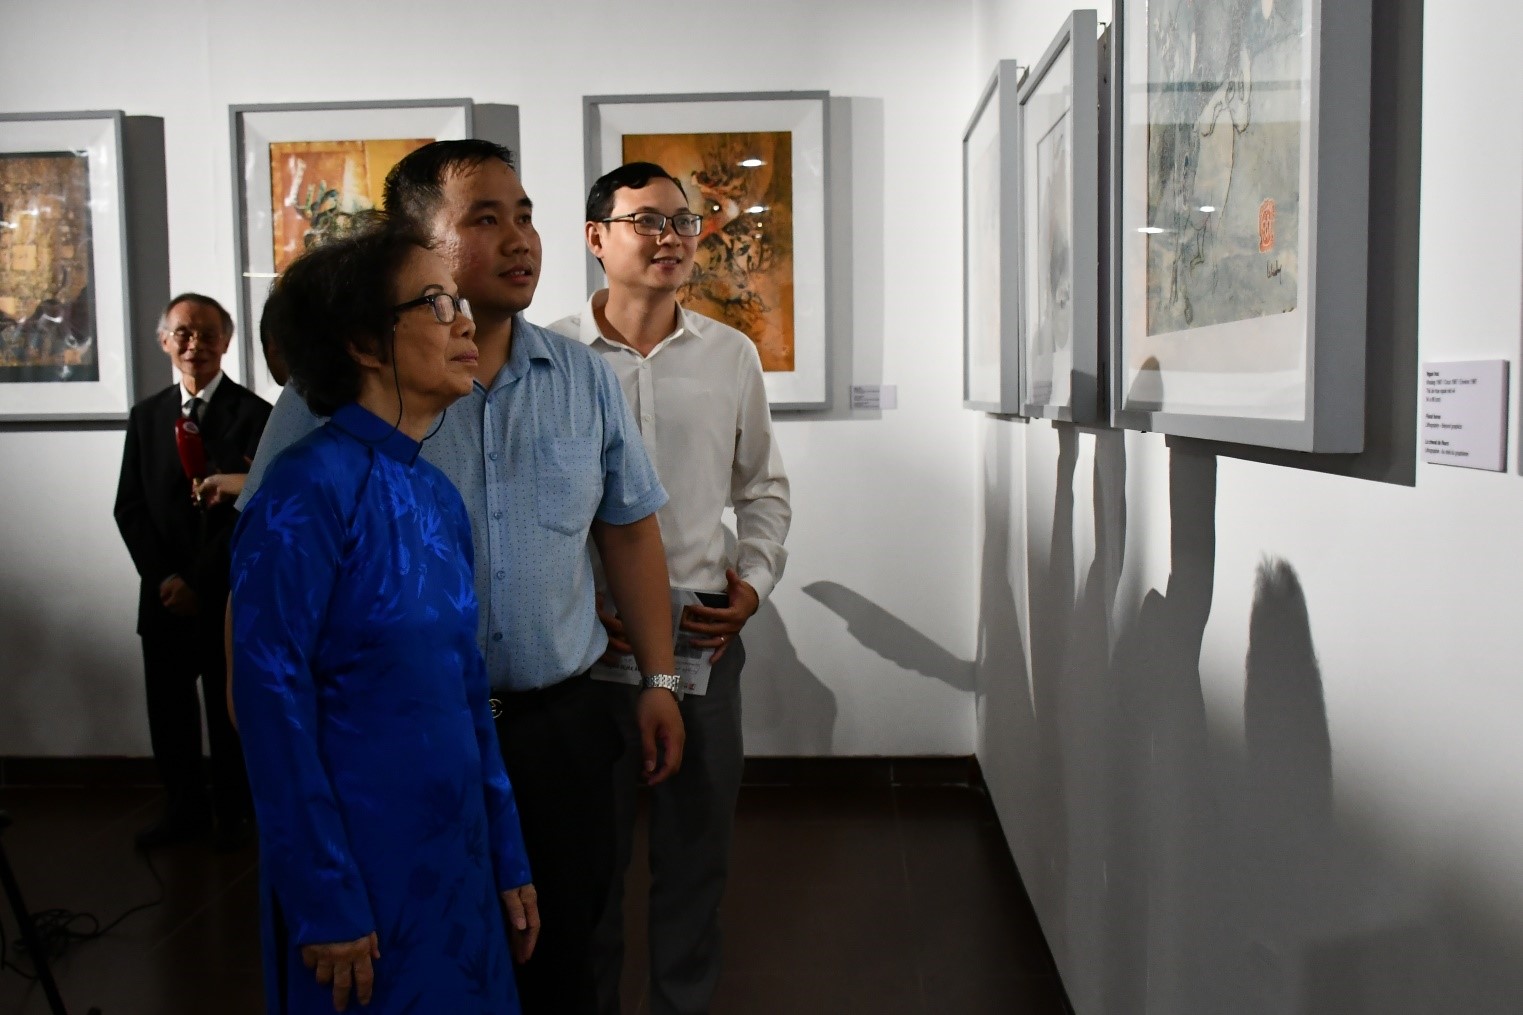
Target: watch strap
(666, 681)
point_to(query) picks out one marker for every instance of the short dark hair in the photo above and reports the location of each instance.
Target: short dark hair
(274, 360)
(223, 317)
(266, 322)
(415, 186)
(634, 175)
(335, 298)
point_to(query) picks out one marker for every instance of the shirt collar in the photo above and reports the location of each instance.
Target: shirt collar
(205, 394)
(590, 335)
(375, 432)
(528, 345)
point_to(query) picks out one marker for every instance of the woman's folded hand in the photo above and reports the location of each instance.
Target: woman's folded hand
(523, 921)
(347, 966)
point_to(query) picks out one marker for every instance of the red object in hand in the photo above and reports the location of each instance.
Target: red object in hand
(191, 448)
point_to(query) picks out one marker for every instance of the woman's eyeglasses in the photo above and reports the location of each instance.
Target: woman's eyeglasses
(445, 307)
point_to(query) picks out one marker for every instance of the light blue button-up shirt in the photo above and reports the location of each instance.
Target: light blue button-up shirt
(539, 455)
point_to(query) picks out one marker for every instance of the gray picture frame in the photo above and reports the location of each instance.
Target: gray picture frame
(1066, 391)
(810, 385)
(129, 279)
(494, 122)
(1327, 333)
(991, 293)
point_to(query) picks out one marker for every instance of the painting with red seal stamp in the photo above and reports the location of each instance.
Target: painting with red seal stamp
(1224, 128)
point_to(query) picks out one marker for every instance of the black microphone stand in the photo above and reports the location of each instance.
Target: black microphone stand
(28, 928)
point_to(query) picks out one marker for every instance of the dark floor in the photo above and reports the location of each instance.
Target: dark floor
(877, 899)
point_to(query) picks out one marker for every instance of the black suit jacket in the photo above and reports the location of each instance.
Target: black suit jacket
(164, 531)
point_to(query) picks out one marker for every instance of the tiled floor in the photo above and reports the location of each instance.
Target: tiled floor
(878, 899)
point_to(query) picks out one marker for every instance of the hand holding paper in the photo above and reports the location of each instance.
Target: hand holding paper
(719, 624)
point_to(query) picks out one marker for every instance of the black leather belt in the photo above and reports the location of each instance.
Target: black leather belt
(540, 696)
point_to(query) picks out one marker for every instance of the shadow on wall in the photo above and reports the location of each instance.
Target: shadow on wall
(854, 257)
(1287, 832)
(1174, 874)
(891, 638)
(783, 698)
(1328, 919)
(1070, 652)
(1001, 656)
(1160, 935)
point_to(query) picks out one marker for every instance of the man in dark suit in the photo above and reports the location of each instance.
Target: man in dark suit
(179, 543)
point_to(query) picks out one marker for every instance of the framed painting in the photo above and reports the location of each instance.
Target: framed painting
(304, 171)
(756, 167)
(1240, 210)
(66, 318)
(991, 361)
(1059, 130)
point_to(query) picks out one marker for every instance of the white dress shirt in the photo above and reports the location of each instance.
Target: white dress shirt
(204, 396)
(702, 410)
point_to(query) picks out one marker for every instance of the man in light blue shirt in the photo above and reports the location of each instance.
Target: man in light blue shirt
(545, 453)
(550, 441)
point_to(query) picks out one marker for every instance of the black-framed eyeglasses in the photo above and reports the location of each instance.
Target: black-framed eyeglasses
(182, 336)
(445, 307)
(653, 223)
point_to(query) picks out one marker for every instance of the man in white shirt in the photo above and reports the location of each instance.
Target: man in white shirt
(695, 386)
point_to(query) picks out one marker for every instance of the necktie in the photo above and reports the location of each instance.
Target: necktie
(194, 408)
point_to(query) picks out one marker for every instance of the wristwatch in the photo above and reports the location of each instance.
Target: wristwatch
(665, 681)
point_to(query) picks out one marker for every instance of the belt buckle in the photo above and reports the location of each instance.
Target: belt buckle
(496, 706)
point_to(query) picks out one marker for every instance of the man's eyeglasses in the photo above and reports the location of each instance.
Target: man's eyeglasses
(653, 223)
(181, 337)
(445, 307)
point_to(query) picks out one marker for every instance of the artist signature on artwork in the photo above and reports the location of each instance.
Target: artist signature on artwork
(1274, 268)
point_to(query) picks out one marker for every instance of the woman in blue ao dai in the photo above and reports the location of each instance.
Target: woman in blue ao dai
(393, 870)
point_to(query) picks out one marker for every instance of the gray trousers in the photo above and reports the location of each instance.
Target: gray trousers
(692, 816)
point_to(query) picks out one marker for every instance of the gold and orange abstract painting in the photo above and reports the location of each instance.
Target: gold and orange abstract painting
(323, 188)
(742, 183)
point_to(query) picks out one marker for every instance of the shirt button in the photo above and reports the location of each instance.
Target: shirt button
(646, 419)
(501, 574)
(496, 514)
(497, 636)
(492, 455)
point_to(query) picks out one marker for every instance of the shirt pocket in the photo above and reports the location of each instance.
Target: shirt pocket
(568, 483)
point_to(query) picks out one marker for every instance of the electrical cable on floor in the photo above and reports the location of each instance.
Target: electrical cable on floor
(56, 931)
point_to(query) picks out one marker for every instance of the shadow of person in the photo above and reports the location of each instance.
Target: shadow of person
(1164, 854)
(1331, 919)
(1050, 591)
(1146, 393)
(1287, 839)
(1006, 718)
(890, 637)
(1289, 749)
(787, 707)
(1082, 693)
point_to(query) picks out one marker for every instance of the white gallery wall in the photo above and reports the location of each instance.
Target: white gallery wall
(865, 646)
(1252, 730)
